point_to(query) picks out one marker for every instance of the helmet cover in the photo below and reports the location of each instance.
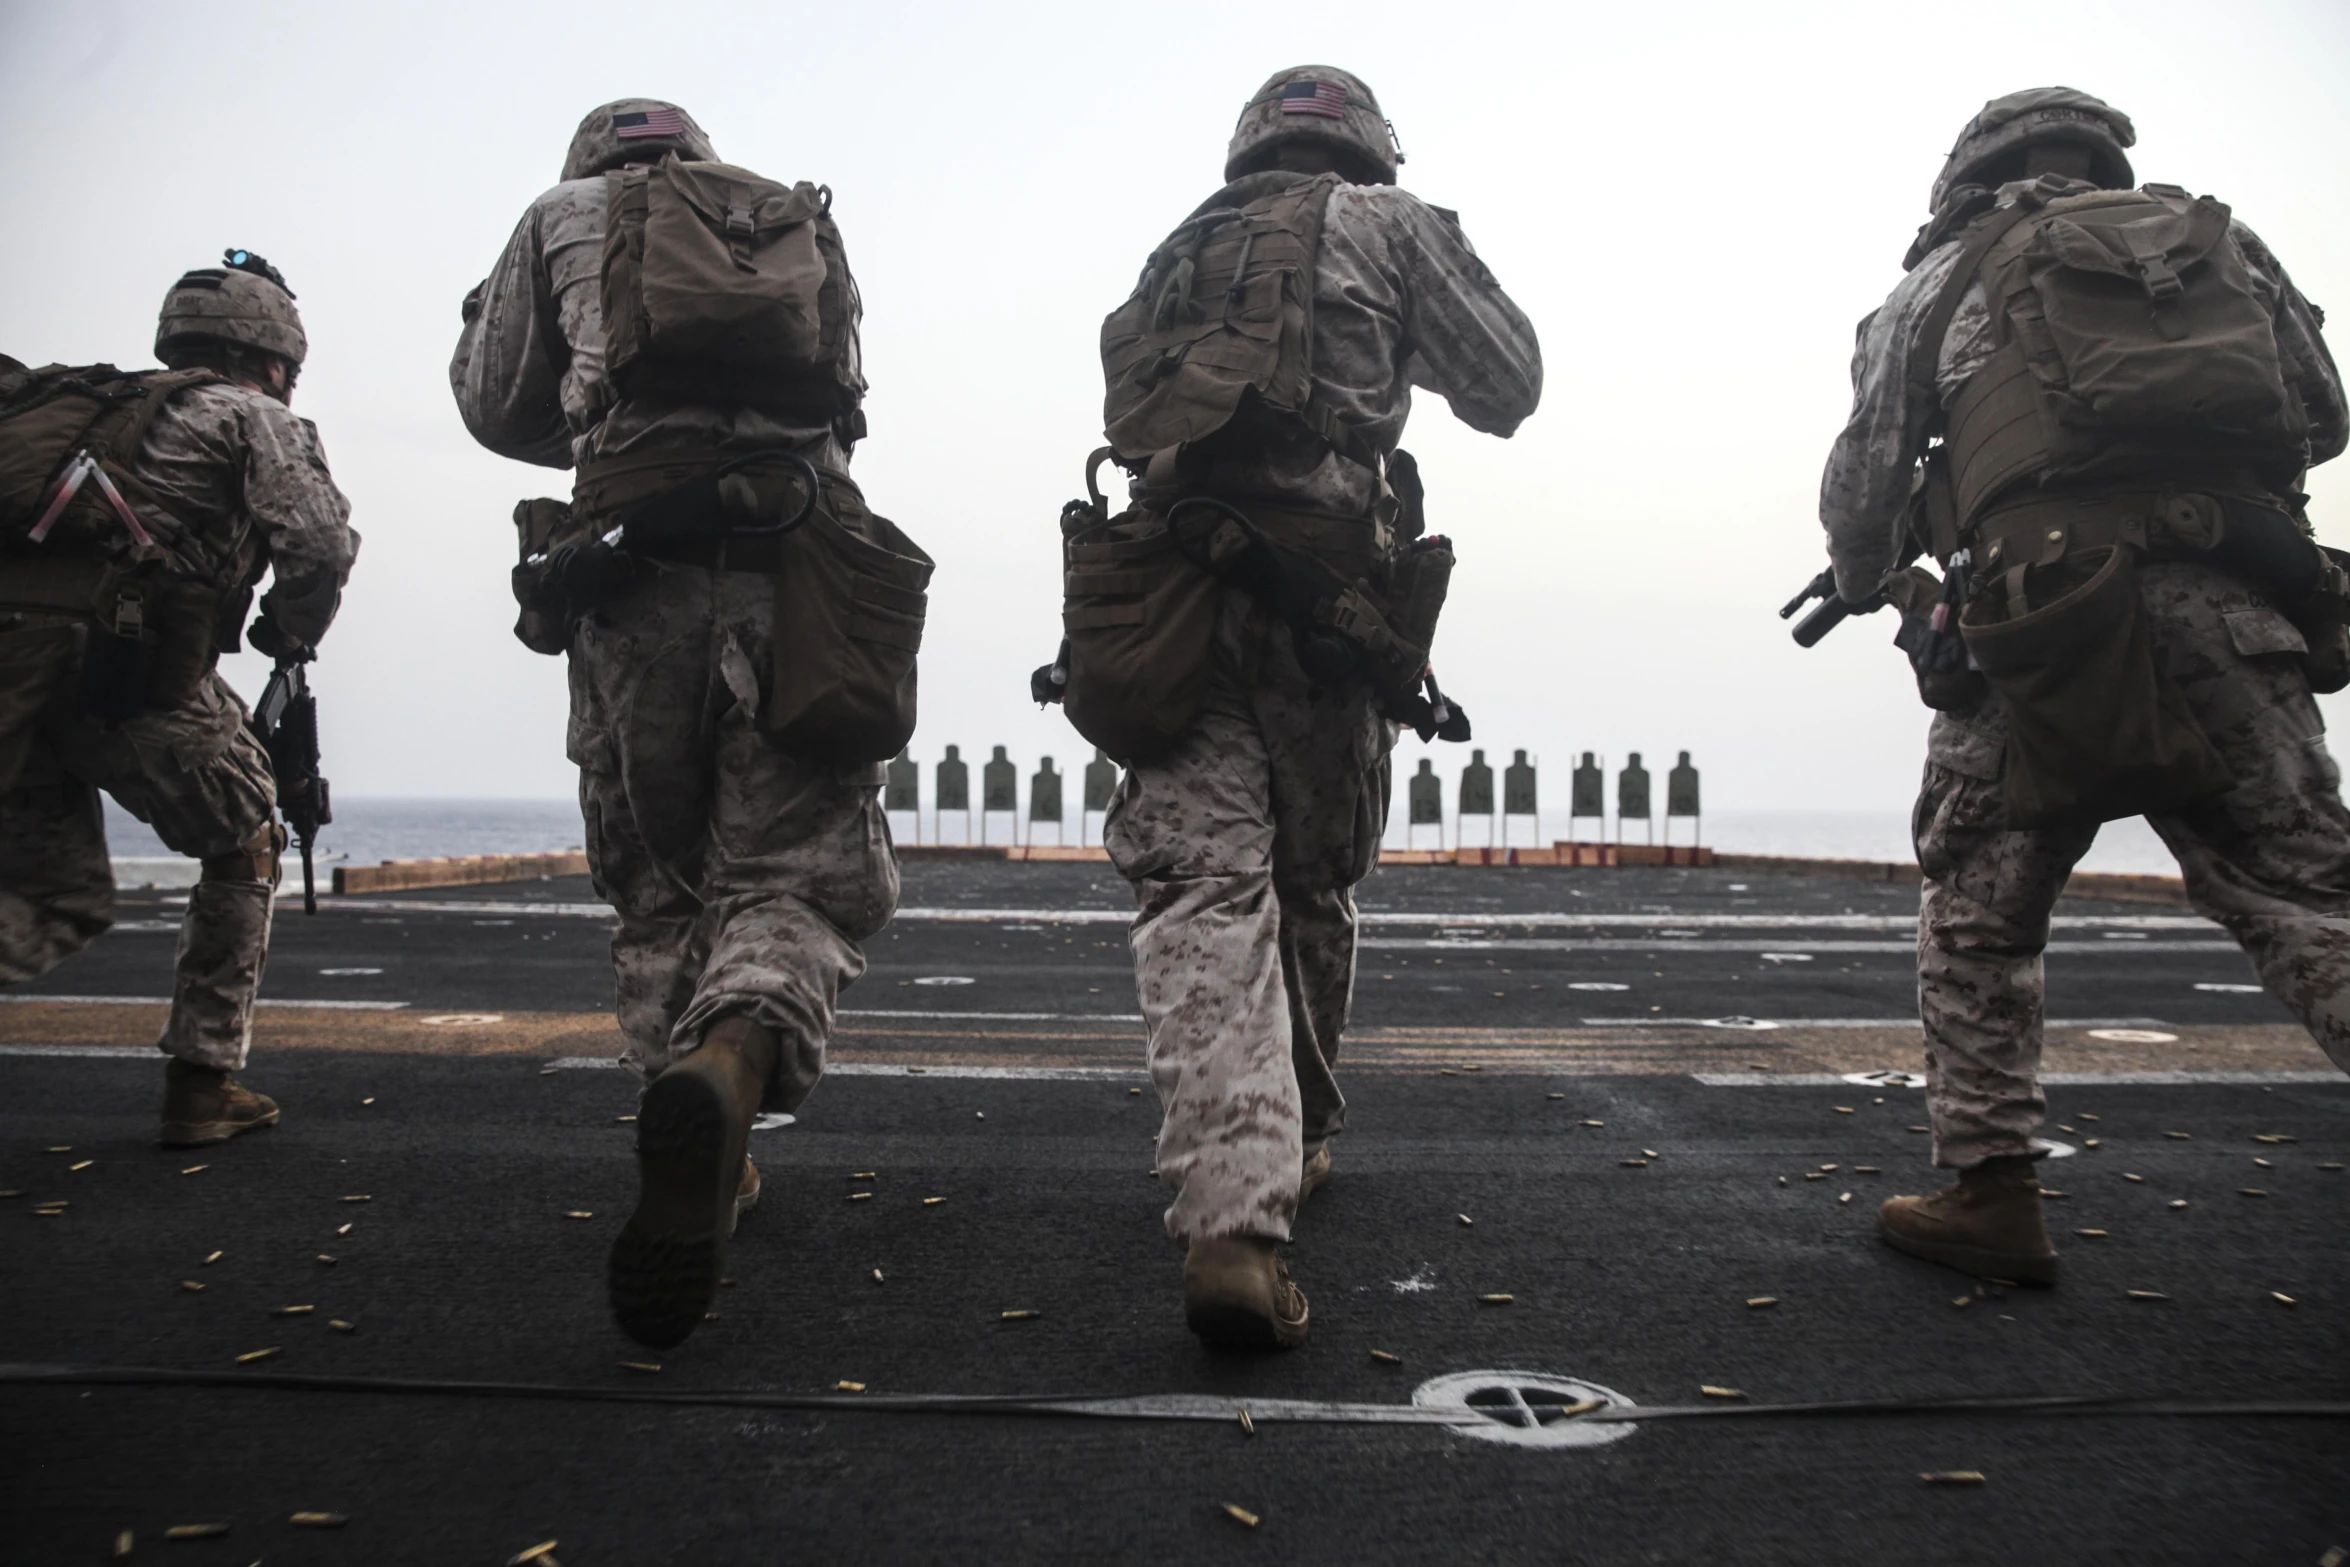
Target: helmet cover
(1314, 105)
(2033, 116)
(634, 130)
(244, 301)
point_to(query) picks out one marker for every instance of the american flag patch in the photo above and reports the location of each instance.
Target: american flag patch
(648, 122)
(1326, 99)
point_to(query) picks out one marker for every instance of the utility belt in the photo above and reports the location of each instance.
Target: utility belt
(2039, 602)
(151, 637)
(1141, 595)
(850, 587)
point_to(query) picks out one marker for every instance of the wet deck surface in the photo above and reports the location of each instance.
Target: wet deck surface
(1719, 1064)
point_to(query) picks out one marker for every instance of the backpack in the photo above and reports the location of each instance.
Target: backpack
(1219, 330)
(69, 435)
(722, 286)
(2129, 339)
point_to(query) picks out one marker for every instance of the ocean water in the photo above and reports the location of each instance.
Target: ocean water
(366, 830)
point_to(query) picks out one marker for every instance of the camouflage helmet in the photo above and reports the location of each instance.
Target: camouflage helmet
(631, 130)
(2033, 116)
(1317, 105)
(245, 300)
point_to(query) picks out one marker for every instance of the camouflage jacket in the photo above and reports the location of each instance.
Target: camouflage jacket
(1865, 491)
(1400, 300)
(245, 482)
(529, 368)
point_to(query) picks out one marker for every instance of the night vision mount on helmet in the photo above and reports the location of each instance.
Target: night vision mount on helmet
(244, 301)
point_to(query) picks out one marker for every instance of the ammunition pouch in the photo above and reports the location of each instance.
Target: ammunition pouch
(545, 588)
(1929, 634)
(151, 637)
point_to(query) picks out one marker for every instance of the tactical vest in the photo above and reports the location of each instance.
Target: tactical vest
(2130, 345)
(723, 287)
(1219, 331)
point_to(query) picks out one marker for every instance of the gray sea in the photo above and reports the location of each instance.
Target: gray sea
(366, 830)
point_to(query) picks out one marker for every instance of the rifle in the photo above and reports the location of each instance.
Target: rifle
(1831, 613)
(286, 719)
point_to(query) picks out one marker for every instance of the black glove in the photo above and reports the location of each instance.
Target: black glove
(268, 638)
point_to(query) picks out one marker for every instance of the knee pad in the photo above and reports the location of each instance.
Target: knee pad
(256, 859)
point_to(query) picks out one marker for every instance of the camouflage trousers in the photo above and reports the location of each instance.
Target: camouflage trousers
(2269, 860)
(744, 879)
(1243, 845)
(197, 776)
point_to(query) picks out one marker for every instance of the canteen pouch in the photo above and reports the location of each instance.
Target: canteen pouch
(2095, 731)
(1140, 619)
(850, 596)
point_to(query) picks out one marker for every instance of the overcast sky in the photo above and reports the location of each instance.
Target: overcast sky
(1695, 203)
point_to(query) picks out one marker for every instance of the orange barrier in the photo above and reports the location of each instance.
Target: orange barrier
(460, 870)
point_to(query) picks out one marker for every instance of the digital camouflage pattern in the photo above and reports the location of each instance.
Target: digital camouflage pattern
(529, 368)
(743, 879)
(2269, 860)
(197, 776)
(1243, 845)
(1396, 284)
(247, 479)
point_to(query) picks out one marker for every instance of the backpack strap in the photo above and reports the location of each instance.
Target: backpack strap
(1926, 351)
(161, 386)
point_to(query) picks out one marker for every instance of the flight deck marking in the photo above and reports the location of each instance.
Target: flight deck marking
(1379, 917)
(2055, 1079)
(165, 1001)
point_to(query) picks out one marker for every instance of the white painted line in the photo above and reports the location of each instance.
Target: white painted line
(1763, 945)
(454, 906)
(164, 1001)
(998, 1017)
(93, 1052)
(1766, 1024)
(1378, 918)
(1017, 1074)
(2052, 1079)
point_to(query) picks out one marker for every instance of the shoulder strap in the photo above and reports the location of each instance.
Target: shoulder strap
(160, 387)
(1926, 352)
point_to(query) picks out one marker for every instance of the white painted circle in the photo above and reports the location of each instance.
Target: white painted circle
(1886, 1079)
(2233, 990)
(945, 979)
(2056, 1150)
(2134, 1036)
(1747, 1024)
(465, 1020)
(1596, 984)
(339, 972)
(1509, 1407)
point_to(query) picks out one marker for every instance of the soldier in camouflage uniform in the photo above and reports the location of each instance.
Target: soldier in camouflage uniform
(744, 878)
(1244, 843)
(2268, 859)
(235, 485)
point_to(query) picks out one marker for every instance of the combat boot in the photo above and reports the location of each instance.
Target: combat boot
(203, 1104)
(1989, 1224)
(1314, 1174)
(1237, 1295)
(746, 1191)
(692, 1130)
